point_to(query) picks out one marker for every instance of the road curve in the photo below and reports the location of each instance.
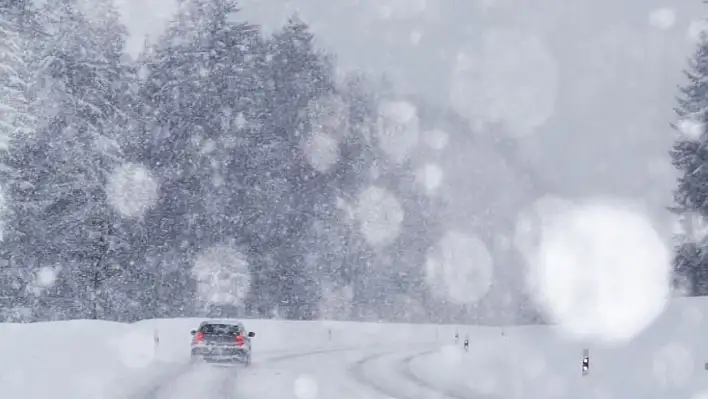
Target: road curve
(390, 374)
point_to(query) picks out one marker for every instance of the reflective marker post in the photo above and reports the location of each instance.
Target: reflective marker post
(586, 362)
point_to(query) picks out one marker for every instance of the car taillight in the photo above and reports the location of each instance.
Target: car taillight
(198, 338)
(239, 339)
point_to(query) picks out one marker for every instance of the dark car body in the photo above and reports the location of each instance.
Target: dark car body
(222, 342)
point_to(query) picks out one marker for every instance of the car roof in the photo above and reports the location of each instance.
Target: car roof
(227, 322)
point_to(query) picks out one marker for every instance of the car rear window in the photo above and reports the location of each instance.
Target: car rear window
(219, 329)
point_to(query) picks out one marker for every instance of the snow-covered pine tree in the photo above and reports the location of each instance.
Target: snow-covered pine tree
(61, 220)
(297, 75)
(335, 252)
(201, 89)
(690, 157)
(17, 25)
(169, 94)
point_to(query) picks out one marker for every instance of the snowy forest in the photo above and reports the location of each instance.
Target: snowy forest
(229, 172)
(224, 172)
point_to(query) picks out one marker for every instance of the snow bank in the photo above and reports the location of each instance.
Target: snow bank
(79, 359)
(57, 359)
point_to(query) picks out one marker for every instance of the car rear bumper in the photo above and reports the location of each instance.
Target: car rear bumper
(221, 354)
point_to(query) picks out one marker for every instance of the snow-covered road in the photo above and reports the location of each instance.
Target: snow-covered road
(373, 372)
(89, 359)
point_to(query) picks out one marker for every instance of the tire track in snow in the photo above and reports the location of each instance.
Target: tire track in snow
(383, 383)
(417, 388)
(406, 370)
(226, 383)
(357, 370)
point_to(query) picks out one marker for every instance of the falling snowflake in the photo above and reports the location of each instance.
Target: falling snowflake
(697, 29)
(132, 190)
(208, 147)
(663, 18)
(336, 302)
(329, 114)
(460, 268)
(690, 128)
(436, 139)
(514, 78)
(693, 226)
(430, 176)
(328, 121)
(398, 129)
(240, 121)
(584, 272)
(46, 276)
(529, 224)
(222, 275)
(380, 216)
(321, 150)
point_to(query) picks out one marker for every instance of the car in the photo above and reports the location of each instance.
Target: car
(221, 342)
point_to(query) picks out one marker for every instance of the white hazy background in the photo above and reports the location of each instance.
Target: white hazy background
(588, 86)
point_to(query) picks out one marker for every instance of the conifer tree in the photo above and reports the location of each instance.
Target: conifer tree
(690, 157)
(59, 214)
(202, 93)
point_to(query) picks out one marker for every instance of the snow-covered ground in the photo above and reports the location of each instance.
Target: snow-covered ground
(309, 360)
(667, 360)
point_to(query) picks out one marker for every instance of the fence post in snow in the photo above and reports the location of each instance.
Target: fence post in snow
(586, 362)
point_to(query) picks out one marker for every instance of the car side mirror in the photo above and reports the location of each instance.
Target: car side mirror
(251, 334)
(193, 332)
